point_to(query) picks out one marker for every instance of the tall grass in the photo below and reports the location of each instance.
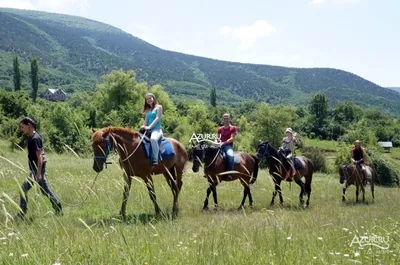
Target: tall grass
(93, 233)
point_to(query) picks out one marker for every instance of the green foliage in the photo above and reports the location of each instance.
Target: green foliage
(17, 74)
(317, 156)
(13, 104)
(387, 173)
(213, 97)
(270, 123)
(34, 77)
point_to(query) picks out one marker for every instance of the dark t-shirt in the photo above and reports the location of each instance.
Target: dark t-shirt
(35, 143)
(358, 154)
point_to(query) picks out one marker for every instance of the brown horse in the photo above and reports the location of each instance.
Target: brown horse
(132, 157)
(350, 175)
(278, 166)
(214, 166)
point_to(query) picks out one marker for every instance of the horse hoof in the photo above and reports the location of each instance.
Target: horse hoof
(206, 209)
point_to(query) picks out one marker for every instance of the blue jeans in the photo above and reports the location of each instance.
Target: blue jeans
(156, 135)
(228, 150)
(44, 187)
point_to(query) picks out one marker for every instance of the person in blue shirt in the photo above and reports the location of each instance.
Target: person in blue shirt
(152, 123)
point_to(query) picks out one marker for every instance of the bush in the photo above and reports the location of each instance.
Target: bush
(317, 156)
(385, 169)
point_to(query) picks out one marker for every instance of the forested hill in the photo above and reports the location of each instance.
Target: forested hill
(74, 52)
(395, 89)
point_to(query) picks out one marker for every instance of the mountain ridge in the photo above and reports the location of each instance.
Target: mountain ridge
(74, 52)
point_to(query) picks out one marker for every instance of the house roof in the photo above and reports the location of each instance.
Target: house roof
(385, 144)
(52, 90)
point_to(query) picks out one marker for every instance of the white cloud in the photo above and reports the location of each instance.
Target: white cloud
(334, 1)
(60, 6)
(248, 35)
(20, 4)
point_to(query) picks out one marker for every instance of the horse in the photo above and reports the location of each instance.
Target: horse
(245, 166)
(350, 175)
(133, 159)
(278, 164)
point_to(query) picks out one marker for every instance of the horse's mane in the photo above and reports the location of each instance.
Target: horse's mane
(98, 135)
(273, 151)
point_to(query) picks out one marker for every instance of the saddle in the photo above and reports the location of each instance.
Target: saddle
(236, 157)
(166, 149)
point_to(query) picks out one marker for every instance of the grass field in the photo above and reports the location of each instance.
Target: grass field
(93, 234)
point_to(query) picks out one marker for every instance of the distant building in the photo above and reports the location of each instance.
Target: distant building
(55, 95)
(386, 145)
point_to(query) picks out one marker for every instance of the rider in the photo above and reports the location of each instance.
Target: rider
(288, 144)
(226, 134)
(358, 158)
(152, 124)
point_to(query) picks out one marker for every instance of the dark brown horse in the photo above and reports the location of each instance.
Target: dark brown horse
(350, 175)
(278, 166)
(214, 169)
(133, 160)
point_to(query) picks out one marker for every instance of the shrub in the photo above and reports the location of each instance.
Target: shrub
(317, 156)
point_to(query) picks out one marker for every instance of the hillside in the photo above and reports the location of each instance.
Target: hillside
(74, 52)
(395, 89)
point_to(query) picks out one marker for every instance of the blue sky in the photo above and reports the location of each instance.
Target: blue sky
(360, 36)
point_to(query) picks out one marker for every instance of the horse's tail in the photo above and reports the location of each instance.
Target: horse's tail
(310, 171)
(183, 162)
(255, 171)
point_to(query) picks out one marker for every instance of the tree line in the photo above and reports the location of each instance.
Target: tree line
(119, 98)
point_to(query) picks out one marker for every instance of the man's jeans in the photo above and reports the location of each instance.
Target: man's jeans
(228, 150)
(44, 187)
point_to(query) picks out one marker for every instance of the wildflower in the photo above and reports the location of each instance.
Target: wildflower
(346, 229)
(356, 254)
(319, 238)
(24, 255)
(289, 238)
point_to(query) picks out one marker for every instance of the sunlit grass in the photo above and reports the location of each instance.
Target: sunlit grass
(92, 232)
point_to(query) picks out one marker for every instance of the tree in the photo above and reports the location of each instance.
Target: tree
(17, 74)
(318, 108)
(34, 77)
(213, 97)
(119, 99)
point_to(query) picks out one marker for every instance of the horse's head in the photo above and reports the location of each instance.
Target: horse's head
(198, 157)
(343, 173)
(262, 149)
(101, 143)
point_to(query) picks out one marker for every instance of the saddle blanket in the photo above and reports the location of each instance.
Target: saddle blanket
(236, 158)
(166, 149)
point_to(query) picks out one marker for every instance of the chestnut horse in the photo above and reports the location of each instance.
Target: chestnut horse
(278, 164)
(350, 175)
(214, 168)
(133, 160)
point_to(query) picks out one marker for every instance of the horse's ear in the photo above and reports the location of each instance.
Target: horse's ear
(93, 130)
(106, 132)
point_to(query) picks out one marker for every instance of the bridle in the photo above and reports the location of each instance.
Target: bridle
(215, 158)
(106, 152)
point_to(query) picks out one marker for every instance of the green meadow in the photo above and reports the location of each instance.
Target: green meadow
(91, 232)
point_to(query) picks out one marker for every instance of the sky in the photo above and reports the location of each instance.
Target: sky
(360, 36)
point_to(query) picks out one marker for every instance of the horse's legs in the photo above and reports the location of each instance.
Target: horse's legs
(308, 189)
(245, 193)
(344, 192)
(127, 187)
(301, 184)
(205, 207)
(280, 193)
(372, 189)
(152, 193)
(214, 191)
(357, 191)
(170, 178)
